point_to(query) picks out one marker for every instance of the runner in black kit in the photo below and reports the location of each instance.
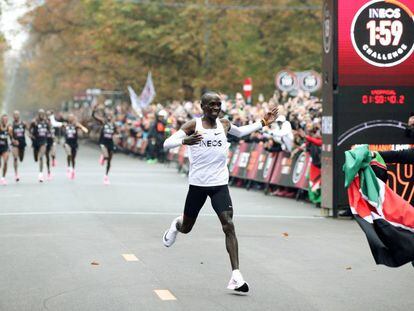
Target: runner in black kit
(18, 142)
(106, 139)
(5, 133)
(70, 131)
(208, 177)
(38, 132)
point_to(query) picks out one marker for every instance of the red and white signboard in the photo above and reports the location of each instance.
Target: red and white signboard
(248, 88)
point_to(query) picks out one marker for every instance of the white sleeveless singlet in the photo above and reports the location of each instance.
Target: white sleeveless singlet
(208, 158)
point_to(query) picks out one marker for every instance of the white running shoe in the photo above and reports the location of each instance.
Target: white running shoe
(171, 234)
(237, 282)
(106, 180)
(3, 181)
(41, 179)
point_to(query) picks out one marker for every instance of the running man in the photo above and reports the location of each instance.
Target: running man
(50, 146)
(206, 138)
(38, 132)
(106, 139)
(70, 131)
(5, 133)
(18, 142)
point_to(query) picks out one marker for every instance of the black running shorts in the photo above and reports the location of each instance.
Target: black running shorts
(197, 196)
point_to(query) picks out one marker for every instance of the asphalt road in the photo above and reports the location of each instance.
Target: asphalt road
(52, 233)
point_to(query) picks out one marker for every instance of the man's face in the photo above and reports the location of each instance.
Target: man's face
(212, 108)
(16, 116)
(42, 115)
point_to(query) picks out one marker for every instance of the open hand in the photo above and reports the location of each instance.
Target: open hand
(411, 121)
(193, 139)
(271, 116)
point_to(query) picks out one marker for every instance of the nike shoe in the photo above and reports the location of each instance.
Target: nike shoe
(17, 178)
(106, 180)
(72, 174)
(41, 179)
(49, 176)
(237, 282)
(101, 160)
(3, 181)
(171, 234)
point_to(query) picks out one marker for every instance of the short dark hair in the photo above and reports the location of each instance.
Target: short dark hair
(208, 97)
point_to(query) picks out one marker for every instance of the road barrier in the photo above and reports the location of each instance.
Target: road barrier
(251, 162)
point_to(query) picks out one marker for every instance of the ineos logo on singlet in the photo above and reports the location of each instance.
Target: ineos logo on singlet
(70, 132)
(108, 130)
(211, 143)
(18, 130)
(3, 135)
(41, 129)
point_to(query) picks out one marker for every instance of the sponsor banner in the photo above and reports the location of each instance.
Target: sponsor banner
(400, 180)
(291, 171)
(240, 160)
(252, 162)
(256, 151)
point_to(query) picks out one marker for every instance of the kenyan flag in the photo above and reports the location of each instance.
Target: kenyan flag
(385, 217)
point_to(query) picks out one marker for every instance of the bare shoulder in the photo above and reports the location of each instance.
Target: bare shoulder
(189, 127)
(226, 124)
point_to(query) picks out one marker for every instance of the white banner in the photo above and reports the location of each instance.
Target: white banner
(134, 100)
(148, 93)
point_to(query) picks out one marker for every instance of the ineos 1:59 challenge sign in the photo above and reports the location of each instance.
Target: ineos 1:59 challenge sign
(381, 33)
(368, 82)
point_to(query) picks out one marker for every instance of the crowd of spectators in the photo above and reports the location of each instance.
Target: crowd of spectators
(298, 125)
(299, 116)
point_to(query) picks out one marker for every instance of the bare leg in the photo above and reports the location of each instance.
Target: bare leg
(73, 156)
(104, 151)
(47, 154)
(21, 154)
(186, 224)
(15, 153)
(5, 160)
(42, 151)
(226, 219)
(68, 151)
(108, 161)
(53, 151)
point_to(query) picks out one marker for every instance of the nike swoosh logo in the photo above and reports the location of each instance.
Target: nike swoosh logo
(217, 134)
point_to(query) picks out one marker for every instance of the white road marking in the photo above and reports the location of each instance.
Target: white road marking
(150, 214)
(130, 257)
(164, 294)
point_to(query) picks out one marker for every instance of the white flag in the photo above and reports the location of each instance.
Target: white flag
(135, 103)
(148, 93)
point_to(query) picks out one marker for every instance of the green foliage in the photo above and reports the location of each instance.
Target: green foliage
(188, 47)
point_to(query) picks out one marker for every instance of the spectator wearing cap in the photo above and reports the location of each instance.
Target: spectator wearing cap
(282, 133)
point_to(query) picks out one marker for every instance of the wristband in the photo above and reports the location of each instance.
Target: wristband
(264, 123)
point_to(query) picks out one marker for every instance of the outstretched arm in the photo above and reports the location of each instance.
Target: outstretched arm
(401, 156)
(96, 117)
(241, 131)
(82, 128)
(55, 123)
(185, 136)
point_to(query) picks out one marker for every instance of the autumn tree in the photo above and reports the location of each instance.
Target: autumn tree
(188, 45)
